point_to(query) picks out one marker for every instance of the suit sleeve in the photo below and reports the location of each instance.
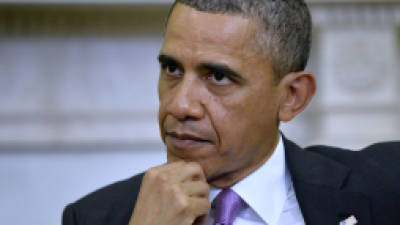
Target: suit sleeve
(69, 216)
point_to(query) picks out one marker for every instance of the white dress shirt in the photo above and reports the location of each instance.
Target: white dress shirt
(269, 193)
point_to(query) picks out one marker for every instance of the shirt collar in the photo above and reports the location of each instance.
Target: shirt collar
(265, 190)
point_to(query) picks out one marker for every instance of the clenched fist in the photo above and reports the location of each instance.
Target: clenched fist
(171, 194)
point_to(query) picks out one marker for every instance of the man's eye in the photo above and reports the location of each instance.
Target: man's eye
(219, 78)
(171, 70)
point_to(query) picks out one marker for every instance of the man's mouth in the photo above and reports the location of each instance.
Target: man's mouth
(184, 140)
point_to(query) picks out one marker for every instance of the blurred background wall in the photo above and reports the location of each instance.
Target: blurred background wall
(78, 100)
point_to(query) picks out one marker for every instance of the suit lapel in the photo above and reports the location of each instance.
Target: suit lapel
(320, 187)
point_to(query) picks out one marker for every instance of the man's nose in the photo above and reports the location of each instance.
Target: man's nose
(186, 100)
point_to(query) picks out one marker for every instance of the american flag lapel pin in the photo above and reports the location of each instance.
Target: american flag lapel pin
(351, 220)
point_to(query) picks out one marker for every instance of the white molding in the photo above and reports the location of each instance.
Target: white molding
(356, 14)
(89, 129)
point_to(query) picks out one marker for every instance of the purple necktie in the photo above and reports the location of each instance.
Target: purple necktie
(227, 204)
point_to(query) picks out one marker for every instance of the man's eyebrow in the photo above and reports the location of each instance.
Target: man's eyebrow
(163, 58)
(222, 68)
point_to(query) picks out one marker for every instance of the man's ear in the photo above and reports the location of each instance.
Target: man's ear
(297, 91)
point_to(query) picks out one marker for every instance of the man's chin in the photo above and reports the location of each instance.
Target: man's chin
(202, 162)
(213, 177)
(173, 158)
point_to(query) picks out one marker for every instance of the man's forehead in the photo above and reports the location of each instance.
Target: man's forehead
(208, 36)
(209, 27)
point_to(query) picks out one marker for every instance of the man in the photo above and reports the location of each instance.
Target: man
(230, 72)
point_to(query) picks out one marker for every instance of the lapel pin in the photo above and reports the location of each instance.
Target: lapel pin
(349, 221)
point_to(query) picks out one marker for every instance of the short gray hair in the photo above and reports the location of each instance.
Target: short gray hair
(286, 34)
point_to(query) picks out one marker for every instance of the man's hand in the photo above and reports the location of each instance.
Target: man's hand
(172, 194)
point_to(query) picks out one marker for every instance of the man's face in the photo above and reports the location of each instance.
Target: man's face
(218, 102)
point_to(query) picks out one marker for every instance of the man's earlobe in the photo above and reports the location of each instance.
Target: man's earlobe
(298, 90)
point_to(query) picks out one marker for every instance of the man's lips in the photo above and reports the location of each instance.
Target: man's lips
(185, 136)
(185, 140)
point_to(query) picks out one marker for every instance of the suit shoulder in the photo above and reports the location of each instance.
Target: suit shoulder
(110, 205)
(334, 153)
(116, 193)
(383, 149)
(377, 163)
(372, 173)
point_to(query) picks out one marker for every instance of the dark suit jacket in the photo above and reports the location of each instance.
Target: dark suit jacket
(330, 184)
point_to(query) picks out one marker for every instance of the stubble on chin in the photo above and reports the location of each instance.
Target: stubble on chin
(172, 158)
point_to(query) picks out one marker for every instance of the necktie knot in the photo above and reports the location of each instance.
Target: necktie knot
(227, 204)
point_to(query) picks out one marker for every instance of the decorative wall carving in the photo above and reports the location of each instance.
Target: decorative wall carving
(358, 71)
(356, 55)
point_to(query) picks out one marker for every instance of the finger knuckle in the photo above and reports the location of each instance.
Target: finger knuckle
(182, 205)
(205, 206)
(175, 190)
(161, 179)
(150, 174)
